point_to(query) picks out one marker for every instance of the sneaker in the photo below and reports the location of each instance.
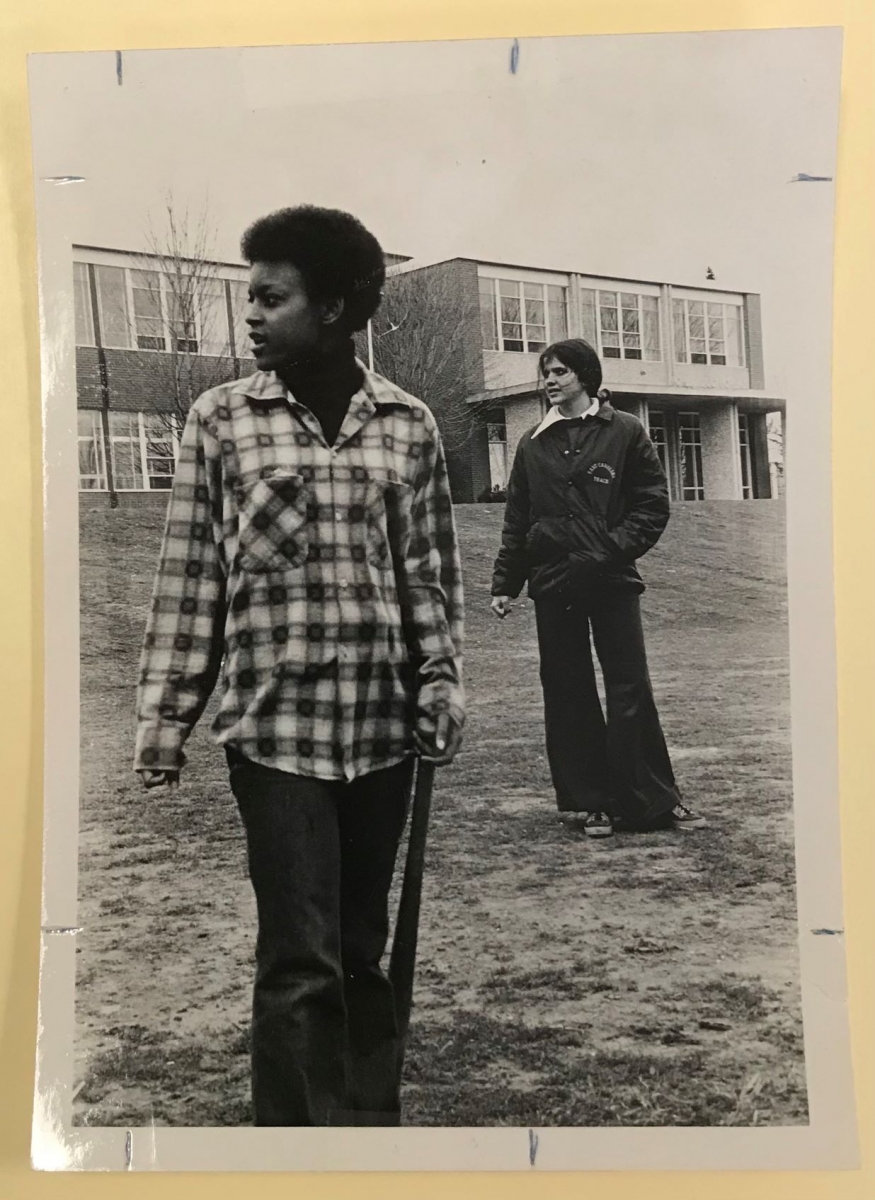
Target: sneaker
(598, 825)
(684, 818)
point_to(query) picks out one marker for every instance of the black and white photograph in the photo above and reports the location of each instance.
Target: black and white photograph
(440, 720)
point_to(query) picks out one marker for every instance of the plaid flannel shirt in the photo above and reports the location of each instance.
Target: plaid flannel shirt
(322, 582)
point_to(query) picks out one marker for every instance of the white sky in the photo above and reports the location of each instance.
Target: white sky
(651, 156)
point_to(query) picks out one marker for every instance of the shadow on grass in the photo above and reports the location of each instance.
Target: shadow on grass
(149, 1078)
(542, 1075)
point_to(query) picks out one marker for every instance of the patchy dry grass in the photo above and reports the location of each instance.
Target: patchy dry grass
(646, 980)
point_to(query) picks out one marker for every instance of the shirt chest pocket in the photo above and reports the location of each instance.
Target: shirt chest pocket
(274, 513)
(286, 521)
(379, 518)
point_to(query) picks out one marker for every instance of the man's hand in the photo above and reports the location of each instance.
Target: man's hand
(156, 779)
(437, 739)
(501, 606)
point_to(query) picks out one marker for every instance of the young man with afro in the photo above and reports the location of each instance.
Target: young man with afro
(310, 568)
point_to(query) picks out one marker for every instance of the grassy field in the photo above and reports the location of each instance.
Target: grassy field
(646, 980)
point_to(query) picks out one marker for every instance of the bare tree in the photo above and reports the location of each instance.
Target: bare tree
(184, 308)
(422, 342)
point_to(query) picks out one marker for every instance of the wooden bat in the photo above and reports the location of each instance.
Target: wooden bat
(402, 961)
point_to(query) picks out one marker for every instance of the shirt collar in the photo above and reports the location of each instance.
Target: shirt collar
(555, 415)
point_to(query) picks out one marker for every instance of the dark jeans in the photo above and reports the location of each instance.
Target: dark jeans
(615, 762)
(321, 858)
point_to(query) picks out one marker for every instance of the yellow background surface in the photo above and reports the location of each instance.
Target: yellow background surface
(47, 25)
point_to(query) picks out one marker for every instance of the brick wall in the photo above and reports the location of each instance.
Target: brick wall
(454, 293)
(478, 459)
(142, 381)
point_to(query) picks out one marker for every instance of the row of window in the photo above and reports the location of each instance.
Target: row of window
(685, 432)
(143, 449)
(199, 313)
(524, 317)
(527, 317)
(144, 446)
(193, 313)
(689, 444)
(689, 449)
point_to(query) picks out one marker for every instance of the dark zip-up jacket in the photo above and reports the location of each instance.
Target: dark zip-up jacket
(581, 510)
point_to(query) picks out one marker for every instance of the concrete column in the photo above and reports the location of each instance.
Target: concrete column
(636, 405)
(666, 331)
(575, 324)
(721, 464)
(519, 416)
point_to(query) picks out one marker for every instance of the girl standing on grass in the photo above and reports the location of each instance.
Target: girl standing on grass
(587, 497)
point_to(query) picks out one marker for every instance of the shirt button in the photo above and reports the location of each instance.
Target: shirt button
(566, 451)
(338, 516)
(342, 583)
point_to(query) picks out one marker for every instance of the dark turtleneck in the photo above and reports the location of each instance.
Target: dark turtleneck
(326, 385)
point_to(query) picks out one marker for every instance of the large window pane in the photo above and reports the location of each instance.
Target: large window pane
(557, 313)
(714, 332)
(629, 316)
(181, 292)
(629, 325)
(511, 316)
(123, 424)
(92, 468)
(160, 431)
(697, 320)
(659, 436)
(630, 319)
(536, 317)
(650, 328)
(148, 314)
(609, 323)
(732, 321)
(698, 341)
(690, 438)
(679, 327)
(115, 326)
(488, 323)
(588, 317)
(213, 317)
(127, 458)
(82, 305)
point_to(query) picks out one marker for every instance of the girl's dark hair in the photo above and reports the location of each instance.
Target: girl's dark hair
(578, 356)
(337, 257)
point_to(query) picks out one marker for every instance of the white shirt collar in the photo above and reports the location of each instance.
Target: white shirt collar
(555, 415)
